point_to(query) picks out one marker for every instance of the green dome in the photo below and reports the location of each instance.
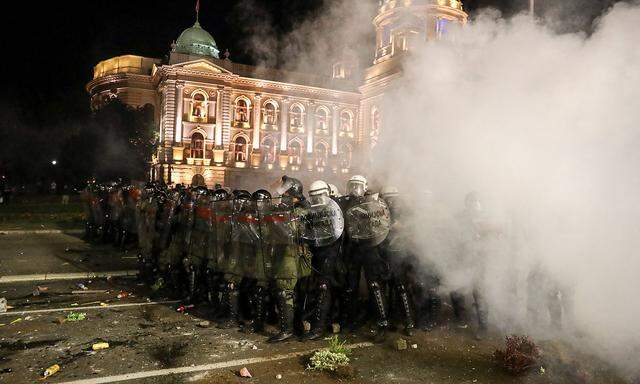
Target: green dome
(197, 41)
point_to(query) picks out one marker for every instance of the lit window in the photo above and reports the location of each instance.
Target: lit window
(270, 114)
(268, 151)
(197, 146)
(321, 155)
(346, 122)
(322, 122)
(345, 154)
(240, 149)
(295, 119)
(242, 111)
(375, 127)
(199, 107)
(295, 153)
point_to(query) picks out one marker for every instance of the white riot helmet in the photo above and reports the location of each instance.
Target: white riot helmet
(389, 191)
(318, 188)
(333, 191)
(357, 186)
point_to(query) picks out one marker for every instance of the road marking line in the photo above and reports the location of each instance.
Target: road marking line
(199, 368)
(64, 276)
(42, 232)
(88, 307)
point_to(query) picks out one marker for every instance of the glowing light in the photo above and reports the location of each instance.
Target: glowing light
(54, 162)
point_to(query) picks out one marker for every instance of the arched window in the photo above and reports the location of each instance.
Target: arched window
(199, 107)
(345, 155)
(296, 118)
(321, 154)
(268, 148)
(197, 146)
(270, 114)
(242, 111)
(240, 148)
(346, 122)
(375, 127)
(295, 153)
(322, 121)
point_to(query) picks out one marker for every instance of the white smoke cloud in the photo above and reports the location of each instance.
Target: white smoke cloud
(546, 128)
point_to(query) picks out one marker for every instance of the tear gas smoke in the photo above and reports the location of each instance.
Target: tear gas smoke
(546, 128)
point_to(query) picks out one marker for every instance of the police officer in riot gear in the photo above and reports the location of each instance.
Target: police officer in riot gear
(474, 232)
(324, 225)
(368, 221)
(197, 240)
(289, 259)
(147, 214)
(398, 251)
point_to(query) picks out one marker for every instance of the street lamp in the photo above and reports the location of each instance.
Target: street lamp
(54, 162)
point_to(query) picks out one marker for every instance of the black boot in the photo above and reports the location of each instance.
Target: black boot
(323, 306)
(482, 313)
(191, 288)
(348, 311)
(230, 301)
(434, 306)
(409, 324)
(175, 278)
(285, 315)
(257, 323)
(383, 322)
(459, 309)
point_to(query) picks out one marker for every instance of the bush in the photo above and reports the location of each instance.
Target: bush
(329, 359)
(520, 355)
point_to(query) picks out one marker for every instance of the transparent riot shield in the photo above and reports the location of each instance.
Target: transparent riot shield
(322, 222)
(202, 227)
(368, 222)
(223, 213)
(280, 230)
(246, 241)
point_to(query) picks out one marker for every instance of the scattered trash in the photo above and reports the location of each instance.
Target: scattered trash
(158, 285)
(414, 346)
(99, 346)
(306, 325)
(244, 372)
(82, 286)
(38, 290)
(401, 344)
(6, 370)
(28, 318)
(19, 319)
(52, 370)
(3, 305)
(204, 324)
(76, 316)
(60, 320)
(335, 328)
(102, 304)
(278, 376)
(123, 295)
(184, 308)
(89, 291)
(254, 347)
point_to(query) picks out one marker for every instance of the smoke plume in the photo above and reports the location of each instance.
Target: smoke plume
(545, 127)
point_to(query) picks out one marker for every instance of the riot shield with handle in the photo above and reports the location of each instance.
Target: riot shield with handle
(246, 236)
(280, 229)
(368, 221)
(322, 222)
(223, 214)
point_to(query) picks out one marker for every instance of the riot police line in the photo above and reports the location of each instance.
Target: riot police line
(254, 258)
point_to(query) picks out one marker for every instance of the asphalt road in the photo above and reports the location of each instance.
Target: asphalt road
(28, 254)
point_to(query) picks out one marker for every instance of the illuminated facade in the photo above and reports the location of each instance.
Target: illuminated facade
(244, 126)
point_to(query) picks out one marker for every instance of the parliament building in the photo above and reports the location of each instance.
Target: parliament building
(221, 122)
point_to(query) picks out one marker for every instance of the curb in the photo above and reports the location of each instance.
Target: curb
(42, 232)
(65, 276)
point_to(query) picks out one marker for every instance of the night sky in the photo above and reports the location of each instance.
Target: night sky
(51, 47)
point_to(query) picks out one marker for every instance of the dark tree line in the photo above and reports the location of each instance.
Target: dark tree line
(114, 142)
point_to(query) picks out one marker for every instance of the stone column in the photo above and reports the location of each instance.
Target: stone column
(311, 131)
(218, 150)
(257, 126)
(335, 127)
(179, 105)
(284, 127)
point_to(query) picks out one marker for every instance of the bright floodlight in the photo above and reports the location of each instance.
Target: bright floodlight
(54, 162)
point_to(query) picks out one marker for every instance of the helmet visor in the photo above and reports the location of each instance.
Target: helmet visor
(356, 188)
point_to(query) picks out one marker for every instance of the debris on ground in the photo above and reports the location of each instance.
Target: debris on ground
(401, 344)
(414, 346)
(3, 305)
(100, 346)
(52, 370)
(520, 355)
(76, 316)
(6, 370)
(123, 295)
(39, 290)
(278, 376)
(335, 328)
(244, 372)
(204, 324)
(329, 359)
(89, 291)
(19, 319)
(82, 286)
(184, 308)
(306, 326)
